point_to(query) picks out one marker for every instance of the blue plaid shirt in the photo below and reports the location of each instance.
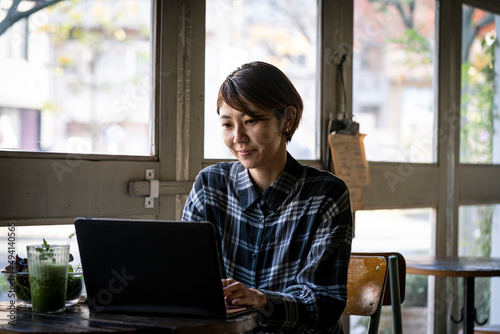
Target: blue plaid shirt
(292, 242)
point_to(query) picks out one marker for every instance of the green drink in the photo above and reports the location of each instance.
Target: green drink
(48, 274)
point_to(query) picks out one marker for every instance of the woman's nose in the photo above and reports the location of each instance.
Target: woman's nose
(240, 135)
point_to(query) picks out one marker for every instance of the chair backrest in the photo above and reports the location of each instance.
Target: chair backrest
(401, 273)
(369, 289)
(365, 284)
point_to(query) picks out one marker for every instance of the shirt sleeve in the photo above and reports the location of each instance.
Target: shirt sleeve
(318, 299)
(194, 209)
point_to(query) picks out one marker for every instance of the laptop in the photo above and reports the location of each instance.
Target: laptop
(153, 266)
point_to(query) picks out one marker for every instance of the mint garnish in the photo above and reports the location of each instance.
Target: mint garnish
(46, 252)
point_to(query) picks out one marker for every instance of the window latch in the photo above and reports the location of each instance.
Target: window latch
(154, 189)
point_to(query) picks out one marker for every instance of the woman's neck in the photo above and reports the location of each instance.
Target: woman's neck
(264, 177)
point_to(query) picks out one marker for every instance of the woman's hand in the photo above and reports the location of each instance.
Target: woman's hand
(236, 293)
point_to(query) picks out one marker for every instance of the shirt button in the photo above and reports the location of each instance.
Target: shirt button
(254, 256)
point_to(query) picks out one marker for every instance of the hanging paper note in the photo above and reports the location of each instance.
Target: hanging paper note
(350, 164)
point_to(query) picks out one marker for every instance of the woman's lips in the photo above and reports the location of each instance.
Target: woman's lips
(245, 152)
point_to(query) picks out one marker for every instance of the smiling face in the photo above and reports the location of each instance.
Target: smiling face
(259, 144)
(259, 110)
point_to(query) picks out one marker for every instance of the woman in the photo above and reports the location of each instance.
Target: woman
(285, 228)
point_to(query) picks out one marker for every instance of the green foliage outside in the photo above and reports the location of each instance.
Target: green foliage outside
(478, 109)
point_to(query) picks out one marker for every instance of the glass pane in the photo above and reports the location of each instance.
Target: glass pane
(78, 77)
(479, 235)
(409, 232)
(283, 33)
(32, 235)
(393, 93)
(479, 137)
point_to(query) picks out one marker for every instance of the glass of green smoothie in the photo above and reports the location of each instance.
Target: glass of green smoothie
(48, 275)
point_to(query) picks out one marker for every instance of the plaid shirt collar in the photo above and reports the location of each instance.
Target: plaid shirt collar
(273, 196)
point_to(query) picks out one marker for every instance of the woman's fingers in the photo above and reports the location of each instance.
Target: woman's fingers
(236, 293)
(229, 280)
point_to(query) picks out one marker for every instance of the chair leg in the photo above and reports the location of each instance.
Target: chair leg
(375, 318)
(375, 321)
(395, 294)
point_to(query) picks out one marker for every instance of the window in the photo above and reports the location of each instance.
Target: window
(393, 60)
(428, 147)
(59, 181)
(283, 33)
(420, 100)
(79, 79)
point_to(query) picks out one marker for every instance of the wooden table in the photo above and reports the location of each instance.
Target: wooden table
(78, 319)
(466, 267)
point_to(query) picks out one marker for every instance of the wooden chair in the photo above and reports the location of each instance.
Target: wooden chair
(397, 273)
(366, 287)
(366, 280)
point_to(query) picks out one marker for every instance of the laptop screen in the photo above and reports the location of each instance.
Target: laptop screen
(151, 266)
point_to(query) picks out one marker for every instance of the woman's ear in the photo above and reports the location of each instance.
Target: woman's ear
(290, 117)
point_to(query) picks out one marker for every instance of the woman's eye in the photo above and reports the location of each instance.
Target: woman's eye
(250, 121)
(226, 125)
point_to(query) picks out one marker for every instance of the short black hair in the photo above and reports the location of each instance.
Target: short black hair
(264, 86)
